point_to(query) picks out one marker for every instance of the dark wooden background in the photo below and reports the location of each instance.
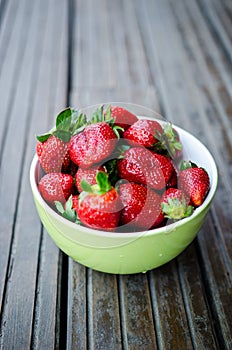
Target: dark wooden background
(174, 56)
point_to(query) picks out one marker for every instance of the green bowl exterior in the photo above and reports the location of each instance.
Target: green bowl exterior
(143, 253)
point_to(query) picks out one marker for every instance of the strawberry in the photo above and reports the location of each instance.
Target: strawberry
(175, 204)
(99, 205)
(93, 145)
(53, 147)
(122, 117)
(53, 155)
(141, 207)
(88, 174)
(166, 165)
(145, 167)
(194, 181)
(56, 187)
(143, 132)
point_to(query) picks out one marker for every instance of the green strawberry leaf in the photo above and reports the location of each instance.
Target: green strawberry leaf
(67, 212)
(187, 164)
(69, 204)
(108, 113)
(103, 185)
(64, 119)
(59, 207)
(112, 171)
(86, 187)
(79, 124)
(43, 137)
(116, 128)
(103, 182)
(62, 135)
(98, 115)
(74, 115)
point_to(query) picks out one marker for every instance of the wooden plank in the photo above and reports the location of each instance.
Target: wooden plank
(112, 52)
(210, 112)
(84, 97)
(11, 174)
(33, 272)
(136, 58)
(181, 96)
(169, 309)
(218, 283)
(10, 42)
(103, 311)
(94, 54)
(219, 18)
(138, 330)
(200, 319)
(77, 312)
(8, 12)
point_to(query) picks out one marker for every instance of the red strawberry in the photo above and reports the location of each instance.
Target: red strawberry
(175, 204)
(56, 187)
(145, 167)
(88, 174)
(122, 117)
(92, 145)
(52, 148)
(141, 207)
(53, 155)
(99, 205)
(143, 132)
(166, 165)
(195, 182)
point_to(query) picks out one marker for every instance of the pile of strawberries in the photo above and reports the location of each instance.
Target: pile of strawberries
(117, 172)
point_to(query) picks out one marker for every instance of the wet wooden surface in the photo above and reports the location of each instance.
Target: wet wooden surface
(172, 56)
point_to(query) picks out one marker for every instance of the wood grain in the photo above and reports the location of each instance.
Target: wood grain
(171, 56)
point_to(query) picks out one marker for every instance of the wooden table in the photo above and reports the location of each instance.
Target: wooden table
(173, 56)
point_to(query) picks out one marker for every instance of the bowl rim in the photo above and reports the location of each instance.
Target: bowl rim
(106, 234)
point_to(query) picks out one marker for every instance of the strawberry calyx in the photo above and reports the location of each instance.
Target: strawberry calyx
(68, 122)
(101, 115)
(176, 209)
(67, 210)
(168, 140)
(187, 165)
(102, 186)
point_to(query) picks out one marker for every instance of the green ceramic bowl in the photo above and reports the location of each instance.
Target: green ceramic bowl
(127, 253)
